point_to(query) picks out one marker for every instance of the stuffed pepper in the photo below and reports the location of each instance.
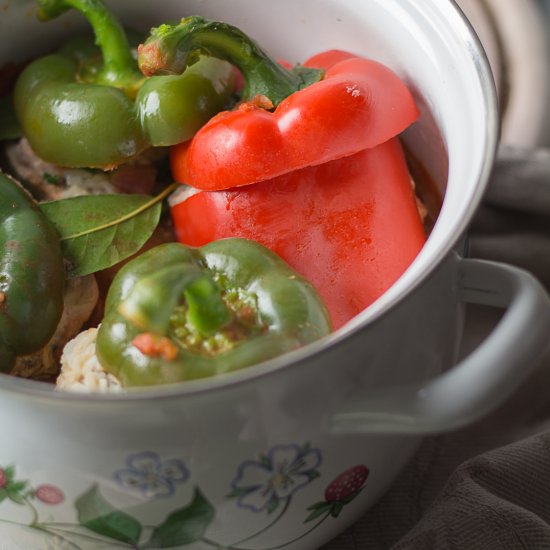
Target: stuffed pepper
(177, 313)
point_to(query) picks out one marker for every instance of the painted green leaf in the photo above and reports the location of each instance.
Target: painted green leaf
(99, 516)
(318, 511)
(184, 526)
(336, 508)
(313, 474)
(99, 231)
(9, 472)
(14, 491)
(264, 461)
(321, 504)
(18, 486)
(16, 497)
(272, 505)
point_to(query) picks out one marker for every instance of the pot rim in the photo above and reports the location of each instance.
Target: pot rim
(380, 308)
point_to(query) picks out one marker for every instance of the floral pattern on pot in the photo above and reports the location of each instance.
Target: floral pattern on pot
(264, 483)
(259, 486)
(150, 475)
(341, 491)
(20, 492)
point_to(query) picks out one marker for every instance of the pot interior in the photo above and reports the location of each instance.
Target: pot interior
(427, 42)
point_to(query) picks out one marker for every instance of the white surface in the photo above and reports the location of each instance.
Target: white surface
(483, 379)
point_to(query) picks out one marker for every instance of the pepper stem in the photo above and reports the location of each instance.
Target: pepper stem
(119, 66)
(172, 48)
(153, 299)
(206, 310)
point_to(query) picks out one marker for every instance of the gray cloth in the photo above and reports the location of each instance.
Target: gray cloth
(485, 487)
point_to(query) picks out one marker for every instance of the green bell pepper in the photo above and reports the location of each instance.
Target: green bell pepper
(179, 313)
(31, 275)
(80, 110)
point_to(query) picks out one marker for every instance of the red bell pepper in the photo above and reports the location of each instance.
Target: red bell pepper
(358, 104)
(350, 226)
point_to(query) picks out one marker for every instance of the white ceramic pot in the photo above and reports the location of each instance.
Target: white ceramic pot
(254, 460)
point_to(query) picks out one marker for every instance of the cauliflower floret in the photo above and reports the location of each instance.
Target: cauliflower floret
(80, 368)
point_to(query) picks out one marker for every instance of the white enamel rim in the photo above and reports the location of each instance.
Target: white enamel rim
(403, 287)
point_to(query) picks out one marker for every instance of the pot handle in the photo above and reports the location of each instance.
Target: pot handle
(482, 380)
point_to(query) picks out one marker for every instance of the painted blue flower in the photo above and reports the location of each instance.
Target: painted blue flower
(264, 483)
(152, 476)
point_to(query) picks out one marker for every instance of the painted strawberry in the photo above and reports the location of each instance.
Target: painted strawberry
(347, 484)
(340, 491)
(3, 479)
(49, 494)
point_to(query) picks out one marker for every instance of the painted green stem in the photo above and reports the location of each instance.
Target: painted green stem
(267, 527)
(300, 537)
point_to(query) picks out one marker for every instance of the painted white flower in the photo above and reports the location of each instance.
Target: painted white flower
(262, 484)
(152, 476)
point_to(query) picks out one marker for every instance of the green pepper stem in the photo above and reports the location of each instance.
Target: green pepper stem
(206, 311)
(172, 48)
(119, 66)
(154, 298)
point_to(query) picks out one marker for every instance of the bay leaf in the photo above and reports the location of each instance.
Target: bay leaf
(99, 231)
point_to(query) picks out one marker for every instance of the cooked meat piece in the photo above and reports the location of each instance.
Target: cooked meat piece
(32, 170)
(80, 368)
(50, 182)
(81, 297)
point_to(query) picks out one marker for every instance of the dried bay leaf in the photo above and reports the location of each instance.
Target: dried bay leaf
(99, 231)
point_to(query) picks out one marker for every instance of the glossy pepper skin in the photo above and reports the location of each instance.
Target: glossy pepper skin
(31, 275)
(350, 226)
(80, 110)
(283, 312)
(357, 105)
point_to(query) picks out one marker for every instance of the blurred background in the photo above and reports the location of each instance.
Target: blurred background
(516, 37)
